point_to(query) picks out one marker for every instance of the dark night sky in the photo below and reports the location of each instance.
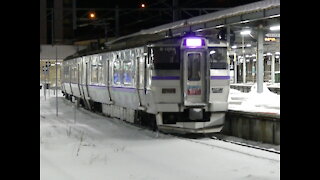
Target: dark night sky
(136, 20)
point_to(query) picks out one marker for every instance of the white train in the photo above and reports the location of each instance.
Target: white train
(178, 84)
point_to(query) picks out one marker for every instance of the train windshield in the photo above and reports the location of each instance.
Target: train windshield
(218, 57)
(194, 67)
(165, 57)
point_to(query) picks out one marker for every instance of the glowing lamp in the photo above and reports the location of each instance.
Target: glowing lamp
(193, 42)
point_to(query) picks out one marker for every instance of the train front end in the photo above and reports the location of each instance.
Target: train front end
(204, 88)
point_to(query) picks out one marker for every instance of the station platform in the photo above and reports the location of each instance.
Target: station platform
(254, 116)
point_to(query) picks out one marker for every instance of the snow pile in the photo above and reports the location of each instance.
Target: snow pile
(267, 101)
(80, 145)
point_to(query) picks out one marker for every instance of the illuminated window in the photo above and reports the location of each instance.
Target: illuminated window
(116, 72)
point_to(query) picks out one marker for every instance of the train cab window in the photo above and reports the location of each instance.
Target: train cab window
(165, 57)
(128, 73)
(194, 67)
(116, 72)
(218, 58)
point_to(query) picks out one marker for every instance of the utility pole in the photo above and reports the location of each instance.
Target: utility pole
(175, 11)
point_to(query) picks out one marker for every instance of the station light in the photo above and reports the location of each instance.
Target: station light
(245, 32)
(92, 15)
(275, 28)
(143, 5)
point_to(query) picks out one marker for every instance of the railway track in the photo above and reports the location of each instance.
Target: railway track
(245, 145)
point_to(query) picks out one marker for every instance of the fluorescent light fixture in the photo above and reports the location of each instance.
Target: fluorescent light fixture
(248, 45)
(254, 60)
(269, 54)
(212, 52)
(277, 56)
(247, 55)
(193, 42)
(277, 53)
(245, 32)
(275, 28)
(253, 55)
(234, 47)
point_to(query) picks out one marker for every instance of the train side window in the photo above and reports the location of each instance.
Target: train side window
(128, 73)
(94, 73)
(165, 57)
(116, 72)
(100, 74)
(218, 58)
(66, 73)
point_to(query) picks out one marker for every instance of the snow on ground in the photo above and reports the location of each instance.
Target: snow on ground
(266, 102)
(80, 145)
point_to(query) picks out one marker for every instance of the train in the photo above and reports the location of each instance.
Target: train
(173, 84)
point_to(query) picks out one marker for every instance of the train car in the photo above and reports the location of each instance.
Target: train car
(176, 84)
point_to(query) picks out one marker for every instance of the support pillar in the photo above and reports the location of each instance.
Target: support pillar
(260, 69)
(244, 71)
(235, 67)
(272, 69)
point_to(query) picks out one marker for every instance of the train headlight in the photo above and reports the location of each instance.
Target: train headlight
(194, 42)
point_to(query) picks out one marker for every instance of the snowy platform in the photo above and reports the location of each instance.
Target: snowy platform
(80, 145)
(266, 102)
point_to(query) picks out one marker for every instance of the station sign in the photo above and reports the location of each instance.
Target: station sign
(272, 37)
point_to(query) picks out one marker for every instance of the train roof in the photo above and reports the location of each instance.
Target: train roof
(136, 41)
(127, 43)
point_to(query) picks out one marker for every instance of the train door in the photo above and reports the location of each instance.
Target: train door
(78, 76)
(87, 78)
(194, 77)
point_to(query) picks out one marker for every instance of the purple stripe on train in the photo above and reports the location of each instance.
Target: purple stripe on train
(126, 89)
(219, 77)
(165, 77)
